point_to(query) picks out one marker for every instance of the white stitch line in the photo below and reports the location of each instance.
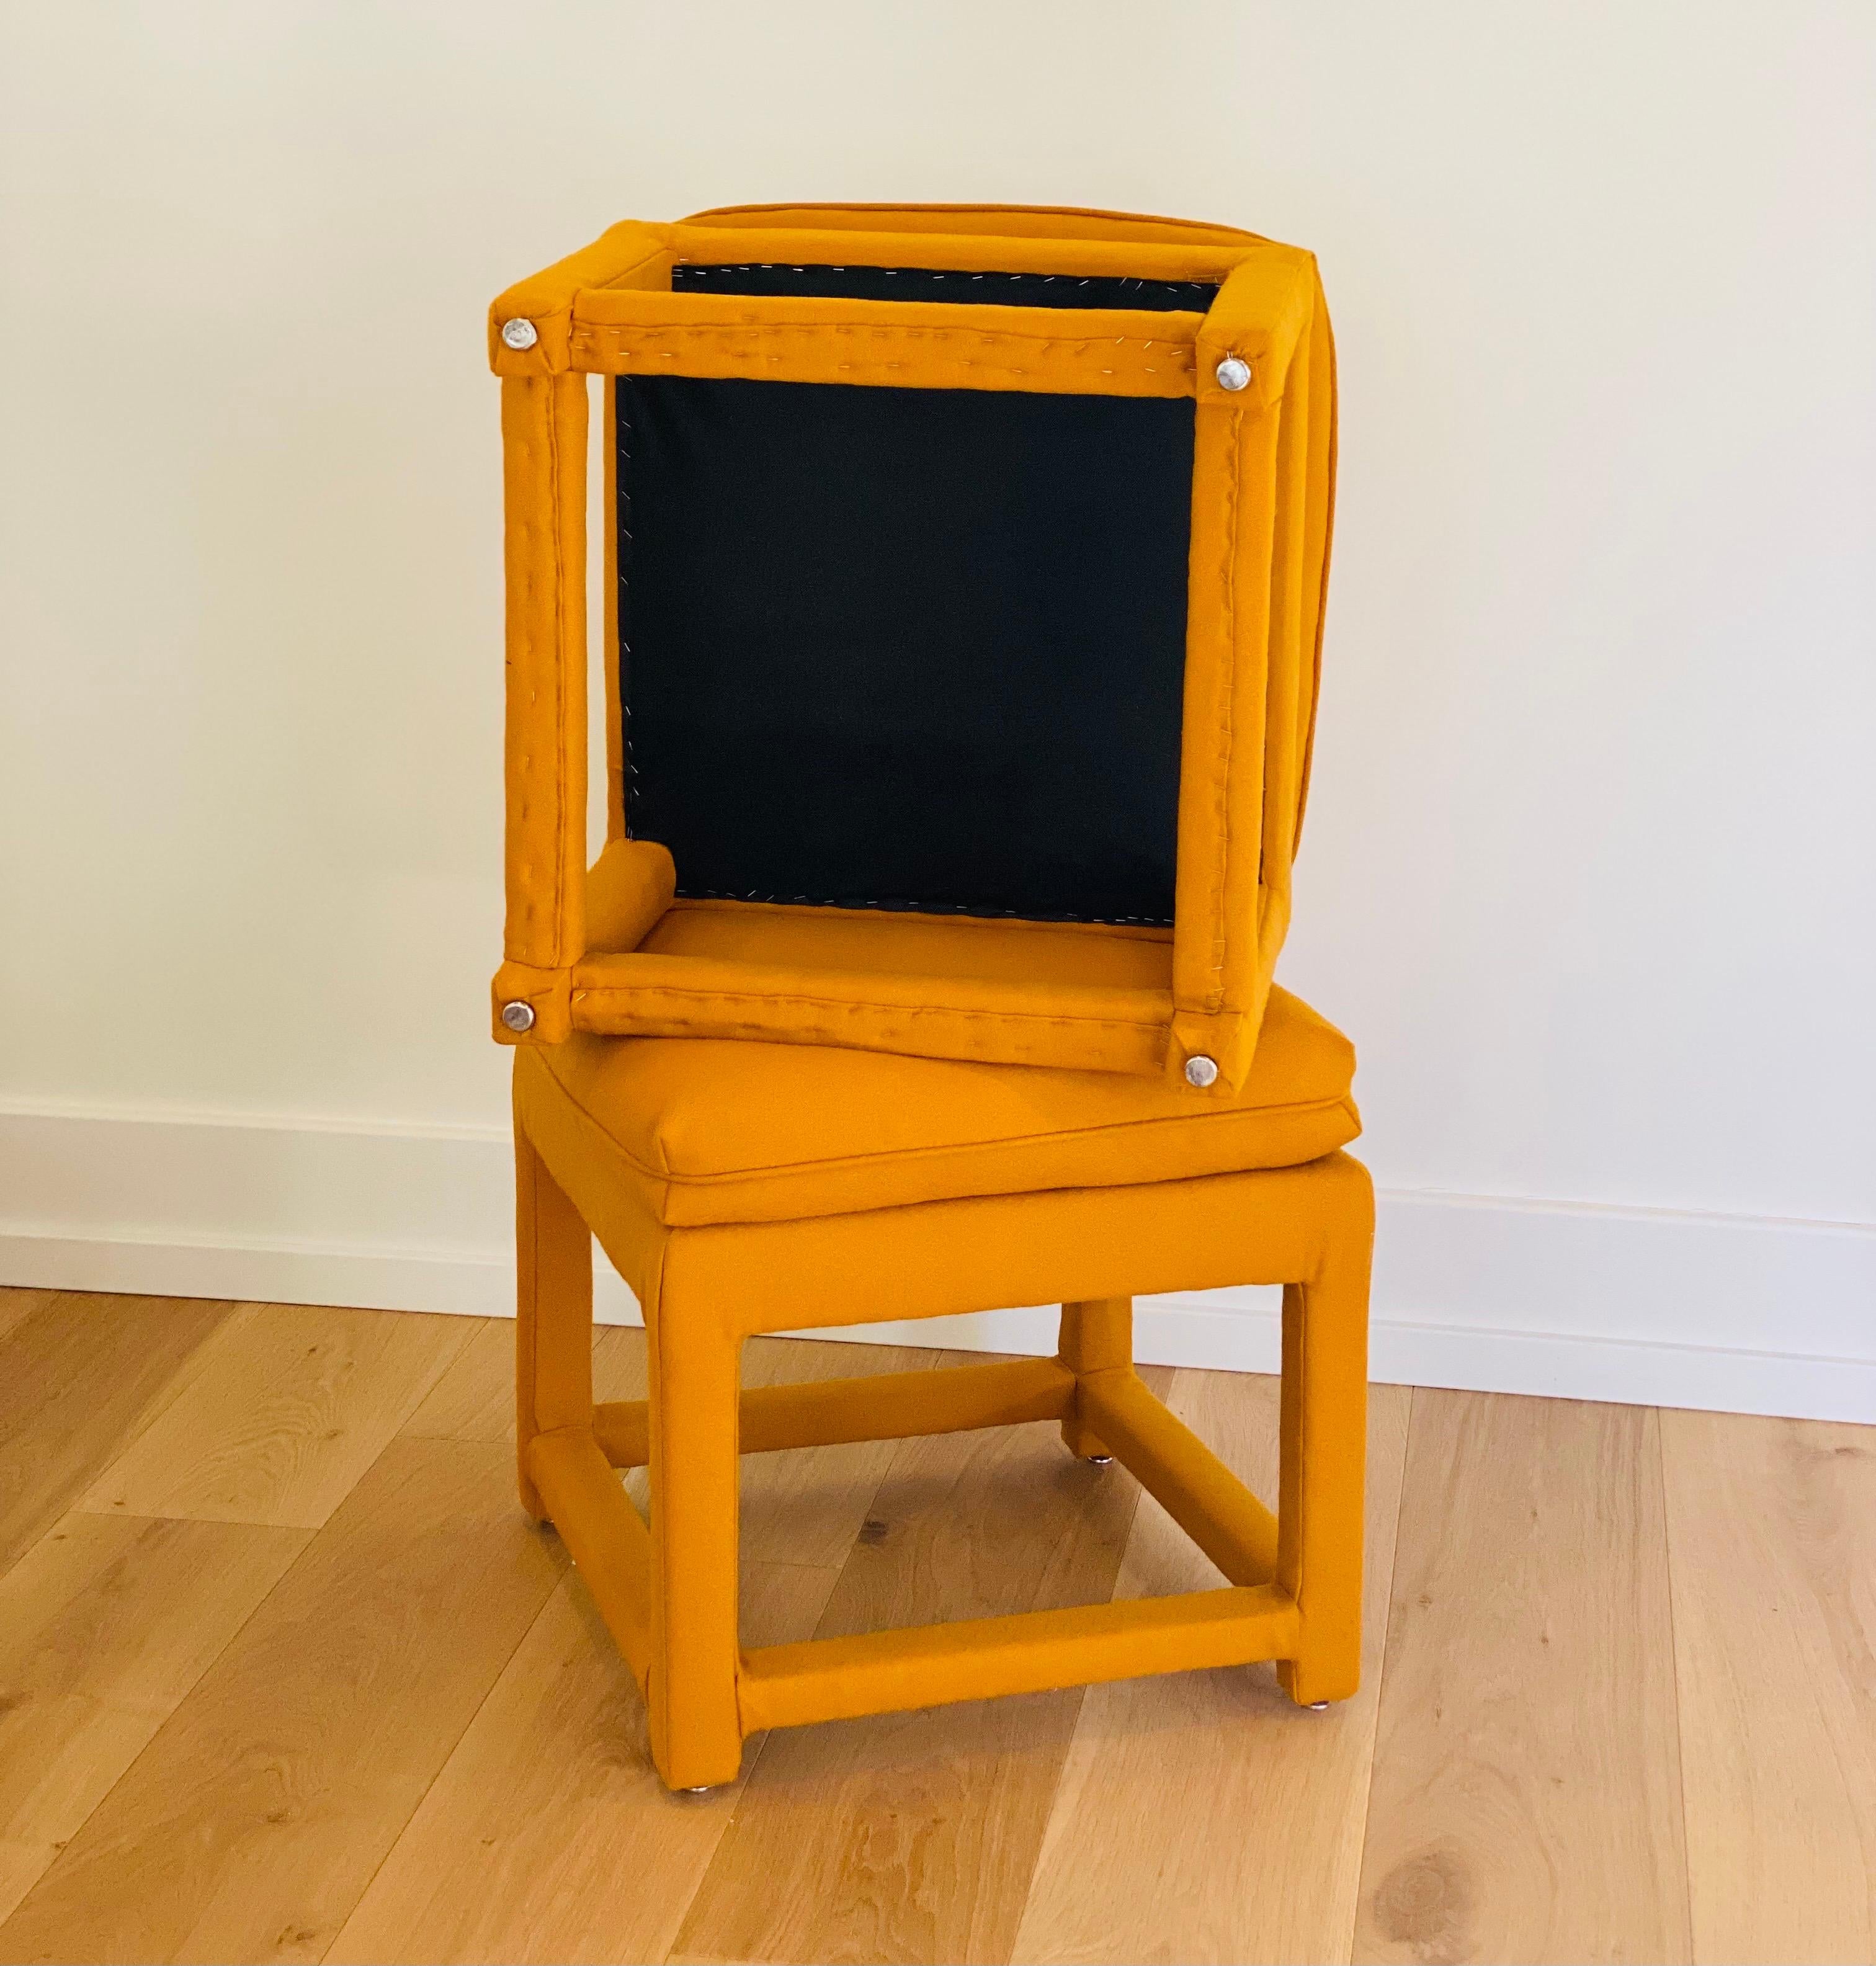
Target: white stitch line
(896, 907)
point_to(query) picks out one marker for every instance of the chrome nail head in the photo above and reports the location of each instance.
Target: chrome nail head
(520, 334)
(1201, 1071)
(519, 1017)
(1234, 372)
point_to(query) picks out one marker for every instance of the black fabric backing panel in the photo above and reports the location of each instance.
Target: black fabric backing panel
(905, 649)
(926, 283)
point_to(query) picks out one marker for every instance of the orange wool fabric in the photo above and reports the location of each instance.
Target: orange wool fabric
(1262, 493)
(850, 1233)
(711, 1130)
(773, 1118)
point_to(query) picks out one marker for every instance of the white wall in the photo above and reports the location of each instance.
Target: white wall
(1587, 873)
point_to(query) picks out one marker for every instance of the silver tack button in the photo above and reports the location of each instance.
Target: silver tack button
(1234, 372)
(1200, 1070)
(520, 334)
(520, 1017)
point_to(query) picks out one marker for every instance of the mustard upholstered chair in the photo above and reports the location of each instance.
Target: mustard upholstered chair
(964, 572)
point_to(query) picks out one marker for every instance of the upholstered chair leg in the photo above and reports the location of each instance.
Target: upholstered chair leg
(1095, 1336)
(696, 1735)
(553, 1324)
(1320, 1513)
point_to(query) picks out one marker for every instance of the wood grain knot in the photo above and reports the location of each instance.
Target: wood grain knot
(1425, 1903)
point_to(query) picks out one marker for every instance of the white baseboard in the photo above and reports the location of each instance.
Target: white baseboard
(1491, 1294)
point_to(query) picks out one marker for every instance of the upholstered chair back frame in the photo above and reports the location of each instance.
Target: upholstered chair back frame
(1054, 823)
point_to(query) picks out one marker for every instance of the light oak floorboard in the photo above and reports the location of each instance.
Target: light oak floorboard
(1202, 1816)
(1772, 1529)
(81, 1374)
(278, 1414)
(251, 1825)
(16, 1304)
(798, 1507)
(1525, 1801)
(106, 1624)
(548, 1836)
(913, 1836)
(808, 1506)
(474, 1399)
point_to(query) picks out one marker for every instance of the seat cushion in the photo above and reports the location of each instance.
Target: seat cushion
(717, 1130)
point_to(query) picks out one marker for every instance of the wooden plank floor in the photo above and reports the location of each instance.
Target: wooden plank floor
(286, 1674)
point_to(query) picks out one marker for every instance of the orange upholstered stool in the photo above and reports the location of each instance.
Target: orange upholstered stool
(743, 1187)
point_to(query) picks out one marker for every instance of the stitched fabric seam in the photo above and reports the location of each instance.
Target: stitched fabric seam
(1214, 995)
(898, 1156)
(622, 532)
(562, 954)
(856, 1004)
(1190, 301)
(1232, 235)
(894, 905)
(997, 924)
(619, 331)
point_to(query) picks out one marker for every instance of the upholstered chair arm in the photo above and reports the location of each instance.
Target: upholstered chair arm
(543, 431)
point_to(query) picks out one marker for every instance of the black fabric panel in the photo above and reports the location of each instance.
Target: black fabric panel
(924, 283)
(917, 648)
